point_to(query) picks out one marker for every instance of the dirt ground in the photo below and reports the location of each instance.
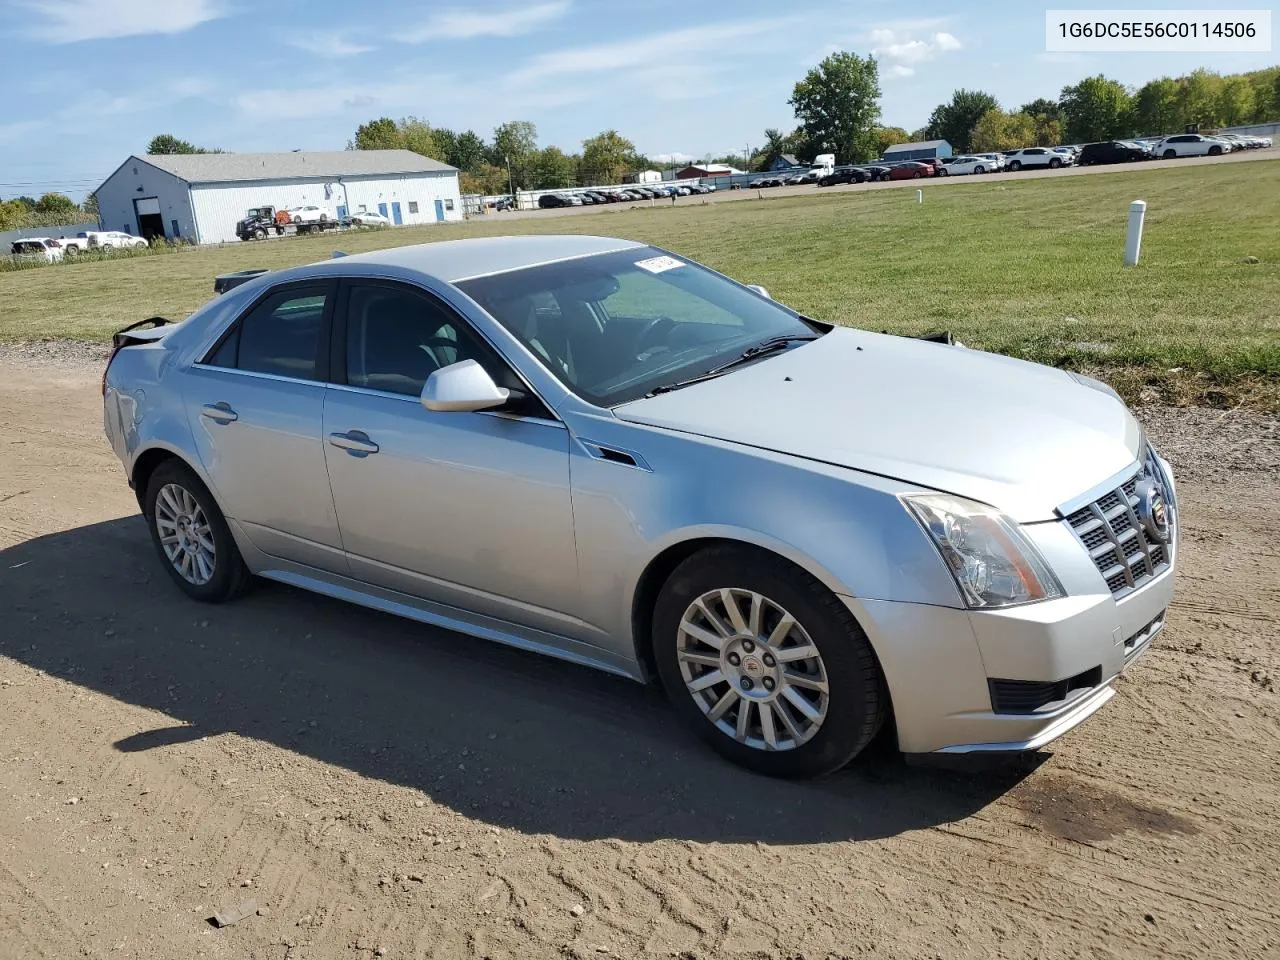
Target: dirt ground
(381, 789)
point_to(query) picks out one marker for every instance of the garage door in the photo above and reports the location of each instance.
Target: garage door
(147, 205)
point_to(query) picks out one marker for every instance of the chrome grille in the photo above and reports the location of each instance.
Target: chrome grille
(1124, 552)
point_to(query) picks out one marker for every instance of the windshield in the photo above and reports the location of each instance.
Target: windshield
(614, 326)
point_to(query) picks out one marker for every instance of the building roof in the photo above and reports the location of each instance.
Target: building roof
(234, 167)
(711, 167)
(790, 158)
(456, 260)
(921, 145)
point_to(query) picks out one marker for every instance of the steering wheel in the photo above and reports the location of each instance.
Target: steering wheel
(656, 326)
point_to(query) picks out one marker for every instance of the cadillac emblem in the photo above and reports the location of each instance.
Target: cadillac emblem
(1152, 510)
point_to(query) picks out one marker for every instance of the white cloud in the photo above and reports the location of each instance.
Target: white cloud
(328, 44)
(71, 21)
(898, 70)
(647, 51)
(460, 24)
(897, 46)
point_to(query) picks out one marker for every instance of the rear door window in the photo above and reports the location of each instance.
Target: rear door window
(282, 335)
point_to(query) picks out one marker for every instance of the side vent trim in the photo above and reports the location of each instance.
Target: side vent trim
(611, 454)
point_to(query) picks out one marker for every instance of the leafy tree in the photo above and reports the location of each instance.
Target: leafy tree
(551, 168)
(90, 207)
(1041, 107)
(1155, 107)
(886, 137)
(838, 106)
(1235, 101)
(487, 179)
(954, 121)
(514, 142)
(997, 130)
(1096, 108)
(606, 157)
(1198, 98)
(417, 135)
(13, 214)
(469, 151)
(919, 134)
(380, 134)
(58, 205)
(447, 145)
(167, 143)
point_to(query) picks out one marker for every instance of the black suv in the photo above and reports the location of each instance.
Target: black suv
(1112, 151)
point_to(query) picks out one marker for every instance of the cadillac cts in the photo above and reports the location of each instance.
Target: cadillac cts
(605, 452)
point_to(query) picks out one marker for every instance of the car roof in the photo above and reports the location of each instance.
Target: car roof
(456, 260)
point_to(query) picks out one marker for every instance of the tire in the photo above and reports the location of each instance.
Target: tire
(279, 232)
(1215, 151)
(71, 251)
(1170, 154)
(324, 218)
(1015, 166)
(1055, 163)
(179, 487)
(979, 169)
(259, 234)
(916, 175)
(943, 172)
(856, 699)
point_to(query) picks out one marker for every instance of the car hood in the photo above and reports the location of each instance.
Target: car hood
(1019, 436)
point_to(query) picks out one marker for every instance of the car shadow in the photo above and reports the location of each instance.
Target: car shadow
(517, 740)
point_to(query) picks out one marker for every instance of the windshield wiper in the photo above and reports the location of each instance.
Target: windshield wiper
(772, 345)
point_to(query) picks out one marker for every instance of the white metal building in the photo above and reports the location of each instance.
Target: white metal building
(201, 196)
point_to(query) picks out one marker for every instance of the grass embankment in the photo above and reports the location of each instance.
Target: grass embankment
(1030, 268)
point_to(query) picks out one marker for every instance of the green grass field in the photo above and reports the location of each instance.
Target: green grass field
(1030, 268)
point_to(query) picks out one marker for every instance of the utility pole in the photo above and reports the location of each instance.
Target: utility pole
(511, 183)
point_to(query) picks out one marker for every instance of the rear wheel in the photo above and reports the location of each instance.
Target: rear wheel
(1015, 166)
(979, 169)
(943, 172)
(190, 535)
(1170, 154)
(72, 250)
(766, 664)
(1215, 151)
(1055, 163)
(324, 218)
(916, 175)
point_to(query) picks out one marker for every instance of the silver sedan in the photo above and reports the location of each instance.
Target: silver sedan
(604, 452)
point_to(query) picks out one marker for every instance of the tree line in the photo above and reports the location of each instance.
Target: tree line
(1099, 108)
(51, 210)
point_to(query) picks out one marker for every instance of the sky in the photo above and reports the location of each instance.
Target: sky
(89, 82)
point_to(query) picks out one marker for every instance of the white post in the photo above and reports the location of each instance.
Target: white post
(919, 196)
(1133, 239)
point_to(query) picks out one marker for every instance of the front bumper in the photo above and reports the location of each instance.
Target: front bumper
(939, 663)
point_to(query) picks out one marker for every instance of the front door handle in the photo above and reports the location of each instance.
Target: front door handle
(354, 441)
(219, 412)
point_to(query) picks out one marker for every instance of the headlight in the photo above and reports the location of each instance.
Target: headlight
(994, 565)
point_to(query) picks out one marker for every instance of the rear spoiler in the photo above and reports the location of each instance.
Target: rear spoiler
(229, 281)
(135, 332)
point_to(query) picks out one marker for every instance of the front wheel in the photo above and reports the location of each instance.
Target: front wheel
(766, 664)
(1215, 151)
(191, 537)
(324, 218)
(916, 175)
(979, 169)
(1015, 166)
(1170, 154)
(1055, 163)
(943, 172)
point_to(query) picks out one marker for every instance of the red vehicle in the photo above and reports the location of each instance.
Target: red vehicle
(910, 171)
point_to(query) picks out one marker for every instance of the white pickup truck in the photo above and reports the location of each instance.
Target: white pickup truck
(100, 240)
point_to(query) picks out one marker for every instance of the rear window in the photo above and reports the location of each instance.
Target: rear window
(280, 336)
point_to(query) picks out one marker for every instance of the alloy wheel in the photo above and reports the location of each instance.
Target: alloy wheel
(752, 669)
(185, 534)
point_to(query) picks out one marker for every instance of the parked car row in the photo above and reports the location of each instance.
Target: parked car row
(51, 249)
(586, 198)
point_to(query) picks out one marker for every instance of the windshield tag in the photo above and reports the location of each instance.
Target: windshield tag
(659, 264)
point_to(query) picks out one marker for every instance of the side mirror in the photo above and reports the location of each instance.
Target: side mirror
(756, 288)
(461, 387)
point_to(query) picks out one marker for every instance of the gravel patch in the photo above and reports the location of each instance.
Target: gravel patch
(55, 352)
(1215, 446)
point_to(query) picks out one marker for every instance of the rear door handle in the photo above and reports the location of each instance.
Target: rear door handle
(220, 412)
(354, 441)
